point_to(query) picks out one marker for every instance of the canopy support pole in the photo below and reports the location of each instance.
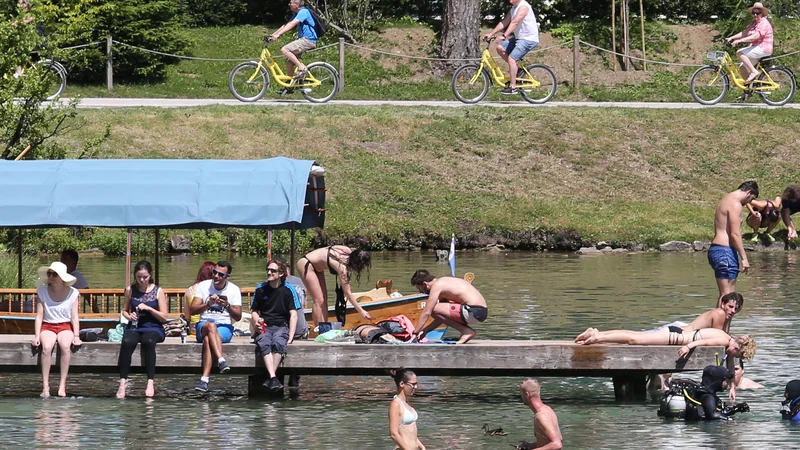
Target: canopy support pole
(157, 248)
(128, 260)
(269, 243)
(292, 251)
(19, 258)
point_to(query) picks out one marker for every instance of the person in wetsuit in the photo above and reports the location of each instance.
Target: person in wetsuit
(764, 214)
(702, 403)
(342, 262)
(790, 408)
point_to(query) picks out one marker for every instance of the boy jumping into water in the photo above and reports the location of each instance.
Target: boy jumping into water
(728, 238)
(466, 305)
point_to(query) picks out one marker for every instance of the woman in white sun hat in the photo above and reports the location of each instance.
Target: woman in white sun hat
(56, 321)
(759, 35)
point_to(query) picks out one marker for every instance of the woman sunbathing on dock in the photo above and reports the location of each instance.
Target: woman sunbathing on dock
(342, 262)
(742, 347)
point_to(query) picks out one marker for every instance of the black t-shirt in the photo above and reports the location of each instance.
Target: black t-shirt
(273, 304)
(793, 207)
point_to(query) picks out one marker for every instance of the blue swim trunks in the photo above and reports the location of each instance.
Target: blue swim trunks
(724, 261)
(225, 332)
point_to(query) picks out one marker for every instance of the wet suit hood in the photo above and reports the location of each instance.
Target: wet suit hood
(792, 391)
(714, 376)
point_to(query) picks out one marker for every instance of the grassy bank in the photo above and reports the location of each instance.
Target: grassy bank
(412, 176)
(371, 75)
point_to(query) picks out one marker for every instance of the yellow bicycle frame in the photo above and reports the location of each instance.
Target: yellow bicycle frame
(488, 63)
(281, 78)
(766, 84)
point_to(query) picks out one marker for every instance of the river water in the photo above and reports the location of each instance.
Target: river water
(531, 296)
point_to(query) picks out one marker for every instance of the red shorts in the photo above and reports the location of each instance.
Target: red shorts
(57, 327)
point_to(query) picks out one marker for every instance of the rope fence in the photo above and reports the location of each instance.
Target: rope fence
(576, 47)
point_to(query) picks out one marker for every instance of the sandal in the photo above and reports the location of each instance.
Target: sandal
(751, 78)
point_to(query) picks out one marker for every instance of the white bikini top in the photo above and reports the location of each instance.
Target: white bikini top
(409, 415)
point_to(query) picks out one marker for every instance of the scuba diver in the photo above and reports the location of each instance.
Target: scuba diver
(790, 408)
(692, 401)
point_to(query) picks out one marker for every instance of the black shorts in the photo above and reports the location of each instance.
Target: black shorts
(273, 340)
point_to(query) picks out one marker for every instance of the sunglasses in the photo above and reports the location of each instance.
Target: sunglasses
(756, 13)
(272, 270)
(218, 273)
(412, 384)
(50, 273)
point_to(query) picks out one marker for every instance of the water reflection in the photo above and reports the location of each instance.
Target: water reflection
(539, 296)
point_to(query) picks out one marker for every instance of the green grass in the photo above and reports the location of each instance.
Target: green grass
(412, 176)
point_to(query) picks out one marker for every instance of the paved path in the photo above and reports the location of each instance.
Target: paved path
(182, 103)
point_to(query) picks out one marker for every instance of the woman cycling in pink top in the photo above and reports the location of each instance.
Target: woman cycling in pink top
(759, 35)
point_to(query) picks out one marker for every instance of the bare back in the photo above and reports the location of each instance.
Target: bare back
(727, 218)
(457, 290)
(545, 426)
(714, 318)
(321, 262)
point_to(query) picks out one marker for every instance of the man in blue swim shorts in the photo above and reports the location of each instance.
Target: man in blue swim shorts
(219, 303)
(722, 255)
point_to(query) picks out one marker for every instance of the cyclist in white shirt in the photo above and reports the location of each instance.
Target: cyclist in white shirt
(521, 23)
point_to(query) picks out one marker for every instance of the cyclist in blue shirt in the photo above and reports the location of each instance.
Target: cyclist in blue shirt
(306, 37)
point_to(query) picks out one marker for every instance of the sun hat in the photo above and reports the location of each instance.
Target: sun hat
(759, 5)
(57, 267)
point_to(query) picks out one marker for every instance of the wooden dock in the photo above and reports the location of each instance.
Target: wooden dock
(628, 365)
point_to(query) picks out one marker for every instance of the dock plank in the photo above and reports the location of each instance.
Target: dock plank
(478, 358)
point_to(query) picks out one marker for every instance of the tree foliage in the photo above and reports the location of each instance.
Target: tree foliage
(150, 24)
(24, 121)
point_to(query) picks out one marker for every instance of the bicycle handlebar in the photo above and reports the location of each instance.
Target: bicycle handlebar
(267, 39)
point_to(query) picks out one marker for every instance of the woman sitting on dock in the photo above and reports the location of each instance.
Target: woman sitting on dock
(742, 347)
(202, 275)
(402, 417)
(342, 262)
(146, 309)
(56, 321)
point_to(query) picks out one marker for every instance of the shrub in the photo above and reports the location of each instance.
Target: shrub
(8, 270)
(206, 241)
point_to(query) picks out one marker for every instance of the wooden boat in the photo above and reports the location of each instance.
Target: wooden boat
(17, 308)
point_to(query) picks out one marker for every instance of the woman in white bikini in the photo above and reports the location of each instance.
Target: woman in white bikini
(402, 417)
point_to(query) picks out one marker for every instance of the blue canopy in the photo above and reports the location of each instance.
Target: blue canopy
(161, 193)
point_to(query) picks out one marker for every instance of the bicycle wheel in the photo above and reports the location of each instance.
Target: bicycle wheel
(328, 80)
(245, 89)
(546, 89)
(786, 86)
(54, 76)
(709, 85)
(465, 89)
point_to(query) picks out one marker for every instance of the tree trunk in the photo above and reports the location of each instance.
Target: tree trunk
(460, 31)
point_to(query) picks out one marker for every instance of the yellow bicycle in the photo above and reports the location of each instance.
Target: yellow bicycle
(775, 84)
(250, 80)
(536, 82)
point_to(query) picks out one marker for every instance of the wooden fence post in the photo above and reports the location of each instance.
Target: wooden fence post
(109, 65)
(576, 63)
(341, 64)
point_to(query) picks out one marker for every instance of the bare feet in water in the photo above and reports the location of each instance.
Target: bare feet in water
(581, 339)
(62, 391)
(121, 390)
(45, 394)
(150, 390)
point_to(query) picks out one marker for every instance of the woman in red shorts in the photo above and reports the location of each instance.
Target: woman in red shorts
(56, 321)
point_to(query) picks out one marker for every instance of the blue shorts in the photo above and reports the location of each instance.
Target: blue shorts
(225, 332)
(724, 261)
(516, 49)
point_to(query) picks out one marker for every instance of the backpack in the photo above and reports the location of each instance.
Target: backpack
(319, 25)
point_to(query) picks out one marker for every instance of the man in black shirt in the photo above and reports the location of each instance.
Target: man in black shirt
(275, 319)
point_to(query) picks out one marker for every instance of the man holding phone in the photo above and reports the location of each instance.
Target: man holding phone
(219, 303)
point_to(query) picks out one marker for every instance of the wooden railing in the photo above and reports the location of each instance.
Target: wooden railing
(107, 301)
